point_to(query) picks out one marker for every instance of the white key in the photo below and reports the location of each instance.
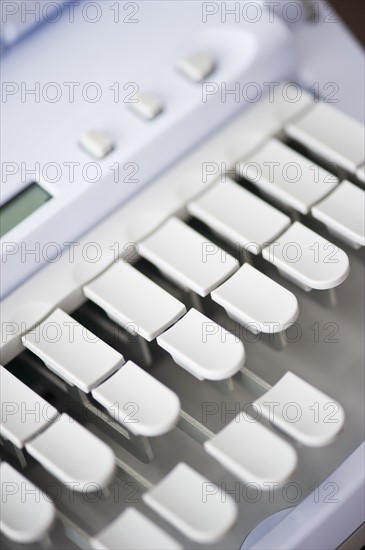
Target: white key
(197, 66)
(72, 454)
(134, 301)
(361, 173)
(252, 452)
(332, 134)
(97, 144)
(304, 257)
(72, 352)
(147, 105)
(132, 530)
(188, 258)
(24, 413)
(192, 504)
(138, 401)
(256, 301)
(343, 212)
(27, 513)
(287, 176)
(238, 216)
(302, 411)
(203, 348)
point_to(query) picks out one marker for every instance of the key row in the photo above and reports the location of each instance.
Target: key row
(295, 182)
(195, 263)
(245, 447)
(158, 408)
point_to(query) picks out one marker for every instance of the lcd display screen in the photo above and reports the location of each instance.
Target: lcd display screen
(21, 206)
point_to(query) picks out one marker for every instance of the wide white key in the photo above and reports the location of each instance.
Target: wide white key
(72, 352)
(147, 105)
(287, 176)
(132, 530)
(192, 504)
(332, 134)
(256, 301)
(138, 401)
(197, 66)
(307, 259)
(188, 258)
(203, 348)
(302, 411)
(134, 301)
(24, 412)
(343, 212)
(238, 216)
(27, 513)
(97, 144)
(72, 454)
(252, 452)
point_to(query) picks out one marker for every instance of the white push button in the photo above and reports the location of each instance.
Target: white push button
(257, 302)
(197, 66)
(132, 530)
(138, 401)
(192, 504)
(331, 134)
(287, 176)
(252, 452)
(24, 413)
(134, 301)
(72, 351)
(188, 258)
(97, 144)
(147, 105)
(307, 259)
(27, 513)
(238, 216)
(343, 212)
(73, 454)
(203, 348)
(302, 411)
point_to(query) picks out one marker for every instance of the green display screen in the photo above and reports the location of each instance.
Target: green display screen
(21, 206)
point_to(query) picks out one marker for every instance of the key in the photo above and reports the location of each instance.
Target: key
(252, 452)
(138, 401)
(97, 144)
(71, 351)
(72, 454)
(236, 215)
(132, 530)
(197, 66)
(307, 259)
(302, 411)
(331, 134)
(203, 348)
(27, 514)
(147, 105)
(192, 504)
(187, 258)
(24, 413)
(256, 301)
(287, 177)
(134, 301)
(343, 213)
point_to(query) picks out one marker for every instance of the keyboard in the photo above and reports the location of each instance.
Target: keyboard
(193, 368)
